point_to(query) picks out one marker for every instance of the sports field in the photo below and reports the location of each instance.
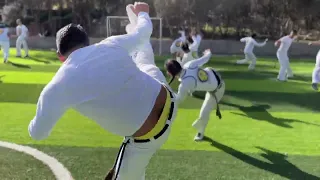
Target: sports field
(270, 130)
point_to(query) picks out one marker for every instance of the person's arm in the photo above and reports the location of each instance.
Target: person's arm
(17, 31)
(50, 107)
(243, 40)
(201, 61)
(314, 43)
(259, 44)
(137, 38)
(194, 46)
(186, 85)
(278, 42)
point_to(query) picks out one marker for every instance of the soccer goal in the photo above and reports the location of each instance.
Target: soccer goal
(116, 25)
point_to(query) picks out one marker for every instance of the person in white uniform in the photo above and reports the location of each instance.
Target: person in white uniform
(187, 54)
(316, 70)
(102, 82)
(195, 39)
(195, 78)
(4, 41)
(284, 44)
(22, 34)
(175, 47)
(248, 50)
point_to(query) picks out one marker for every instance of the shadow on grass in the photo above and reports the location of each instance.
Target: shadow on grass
(1, 78)
(19, 65)
(289, 101)
(279, 164)
(39, 60)
(260, 113)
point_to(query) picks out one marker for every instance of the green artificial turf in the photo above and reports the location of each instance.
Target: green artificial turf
(269, 130)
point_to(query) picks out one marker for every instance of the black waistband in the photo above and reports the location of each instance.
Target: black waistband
(164, 128)
(217, 77)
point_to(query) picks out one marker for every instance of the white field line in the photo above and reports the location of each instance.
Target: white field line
(59, 171)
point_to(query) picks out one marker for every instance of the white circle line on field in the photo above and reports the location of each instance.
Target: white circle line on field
(58, 169)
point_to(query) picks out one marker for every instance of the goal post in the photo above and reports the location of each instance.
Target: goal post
(116, 26)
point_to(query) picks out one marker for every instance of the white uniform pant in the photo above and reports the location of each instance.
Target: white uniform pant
(285, 70)
(136, 156)
(208, 105)
(21, 41)
(5, 46)
(249, 57)
(316, 71)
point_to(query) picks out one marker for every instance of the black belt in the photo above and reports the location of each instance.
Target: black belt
(217, 77)
(164, 128)
(219, 81)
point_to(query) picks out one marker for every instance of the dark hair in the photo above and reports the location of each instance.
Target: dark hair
(254, 35)
(71, 36)
(295, 31)
(185, 47)
(189, 39)
(173, 67)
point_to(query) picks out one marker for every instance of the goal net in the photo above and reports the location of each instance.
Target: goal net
(116, 25)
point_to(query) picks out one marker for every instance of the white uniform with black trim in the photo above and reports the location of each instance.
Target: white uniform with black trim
(194, 78)
(175, 46)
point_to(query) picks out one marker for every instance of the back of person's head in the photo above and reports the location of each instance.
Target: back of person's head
(185, 47)
(173, 67)
(71, 37)
(294, 32)
(254, 35)
(19, 21)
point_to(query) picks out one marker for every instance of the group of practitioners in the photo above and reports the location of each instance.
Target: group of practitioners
(21, 35)
(188, 68)
(117, 84)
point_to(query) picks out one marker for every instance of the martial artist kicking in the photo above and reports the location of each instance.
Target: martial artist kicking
(316, 70)
(195, 39)
(285, 42)
(187, 54)
(194, 78)
(102, 82)
(4, 41)
(175, 47)
(22, 34)
(248, 50)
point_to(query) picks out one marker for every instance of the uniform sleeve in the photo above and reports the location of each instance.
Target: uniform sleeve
(259, 44)
(243, 39)
(137, 38)
(50, 107)
(185, 86)
(200, 62)
(194, 45)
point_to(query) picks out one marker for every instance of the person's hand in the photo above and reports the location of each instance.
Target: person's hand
(140, 7)
(207, 52)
